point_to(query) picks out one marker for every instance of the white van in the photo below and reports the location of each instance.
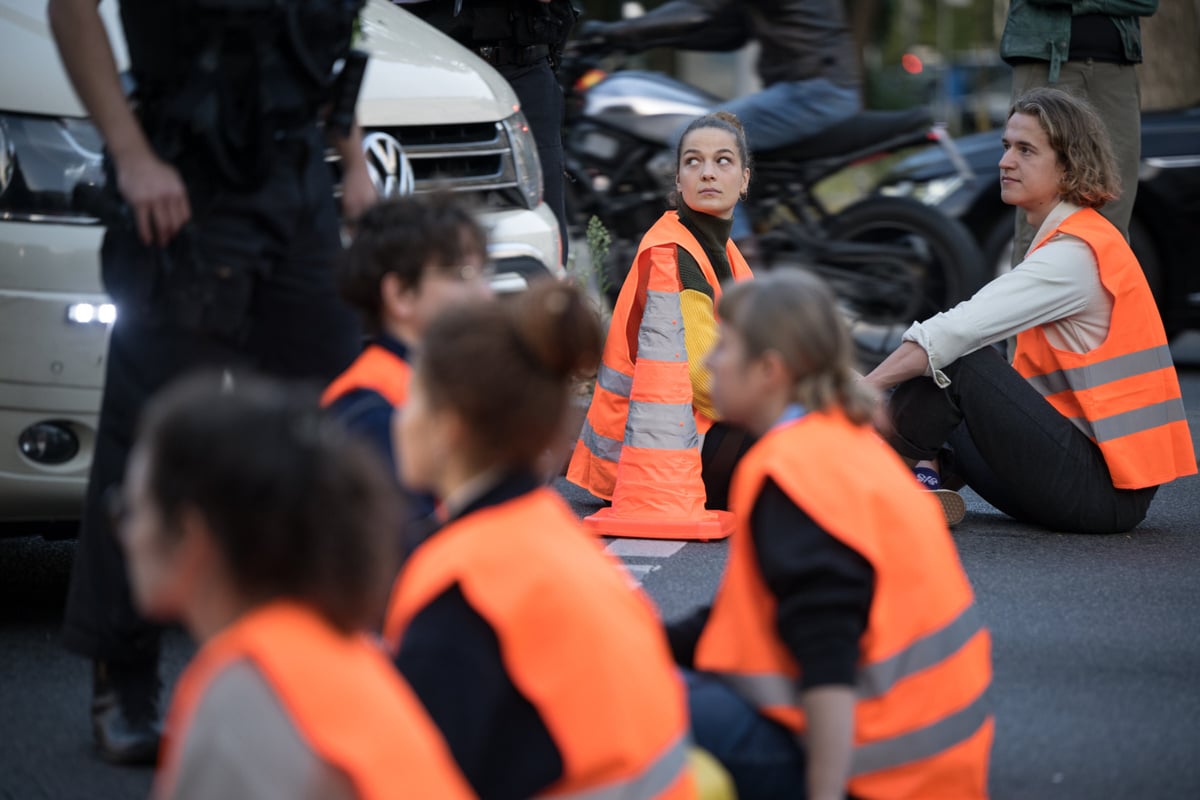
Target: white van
(434, 116)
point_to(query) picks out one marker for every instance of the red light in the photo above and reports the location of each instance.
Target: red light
(912, 65)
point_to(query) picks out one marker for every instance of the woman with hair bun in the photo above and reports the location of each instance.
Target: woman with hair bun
(712, 174)
(545, 670)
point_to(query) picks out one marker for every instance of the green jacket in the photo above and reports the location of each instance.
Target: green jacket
(1041, 29)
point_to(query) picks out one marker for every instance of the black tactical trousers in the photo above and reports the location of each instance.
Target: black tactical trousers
(541, 101)
(275, 310)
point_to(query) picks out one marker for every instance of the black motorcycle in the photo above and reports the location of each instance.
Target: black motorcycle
(891, 260)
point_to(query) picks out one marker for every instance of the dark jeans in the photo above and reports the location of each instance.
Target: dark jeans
(285, 237)
(541, 100)
(763, 757)
(994, 431)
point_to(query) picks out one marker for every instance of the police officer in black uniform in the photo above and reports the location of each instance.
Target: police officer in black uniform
(219, 247)
(522, 39)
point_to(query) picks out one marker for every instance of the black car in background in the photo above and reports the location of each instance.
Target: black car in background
(1164, 231)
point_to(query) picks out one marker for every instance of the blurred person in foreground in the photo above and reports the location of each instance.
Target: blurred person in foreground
(546, 670)
(843, 655)
(269, 532)
(411, 258)
(1080, 430)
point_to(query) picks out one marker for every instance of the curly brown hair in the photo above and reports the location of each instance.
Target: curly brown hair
(404, 235)
(1080, 141)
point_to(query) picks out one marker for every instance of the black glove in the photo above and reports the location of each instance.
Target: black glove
(592, 37)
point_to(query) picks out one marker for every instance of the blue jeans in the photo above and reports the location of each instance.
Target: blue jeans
(787, 112)
(764, 758)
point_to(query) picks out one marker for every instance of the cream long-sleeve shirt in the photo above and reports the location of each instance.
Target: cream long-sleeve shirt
(1057, 286)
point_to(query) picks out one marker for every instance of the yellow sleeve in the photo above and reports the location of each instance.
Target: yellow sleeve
(700, 335)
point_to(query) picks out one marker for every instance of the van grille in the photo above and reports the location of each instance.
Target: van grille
(472, 159)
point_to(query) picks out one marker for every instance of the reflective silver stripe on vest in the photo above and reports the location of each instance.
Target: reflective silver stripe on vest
(610, 380)
(1102, 372)
(600, 446)
(654, 780)
(1139, 419)
(764, 690)
(924, 742)
(878, 678)
(660, 336)
(655, 426)
(776, 691)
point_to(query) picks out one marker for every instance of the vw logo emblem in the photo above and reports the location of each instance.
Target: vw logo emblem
(387, 165)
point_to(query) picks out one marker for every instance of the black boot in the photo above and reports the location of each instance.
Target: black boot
(125, 713)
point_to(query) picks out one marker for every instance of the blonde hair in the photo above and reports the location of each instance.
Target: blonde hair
(795, 314)
(1080, 141)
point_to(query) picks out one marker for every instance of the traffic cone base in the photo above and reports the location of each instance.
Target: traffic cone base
(711, 526)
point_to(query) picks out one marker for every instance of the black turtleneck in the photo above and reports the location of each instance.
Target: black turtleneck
(713, 234)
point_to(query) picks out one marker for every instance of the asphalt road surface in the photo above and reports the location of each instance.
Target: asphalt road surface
(1096, 649)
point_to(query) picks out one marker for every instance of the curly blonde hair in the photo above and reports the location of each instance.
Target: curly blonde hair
(1080, 141)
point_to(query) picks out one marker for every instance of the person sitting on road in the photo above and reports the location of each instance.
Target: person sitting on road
(843, 652)
(546, 670)
(269, 531)
(1078, 432)
(808, 66)
(712, 172)
(411, 257)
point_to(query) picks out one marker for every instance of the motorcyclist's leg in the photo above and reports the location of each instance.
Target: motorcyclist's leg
(784, 113)
(787, 112)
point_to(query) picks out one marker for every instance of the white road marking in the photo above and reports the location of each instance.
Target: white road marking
(642, 548)
(645, 548)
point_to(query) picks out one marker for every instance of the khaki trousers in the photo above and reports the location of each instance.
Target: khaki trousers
(1113, 91)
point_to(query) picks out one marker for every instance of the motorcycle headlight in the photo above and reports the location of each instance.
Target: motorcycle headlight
(43, 162)
(931, 193)
(525, 158)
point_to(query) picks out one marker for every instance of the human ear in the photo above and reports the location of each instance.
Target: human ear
(396, 299)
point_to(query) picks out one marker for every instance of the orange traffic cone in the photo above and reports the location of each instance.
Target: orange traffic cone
(659, 493)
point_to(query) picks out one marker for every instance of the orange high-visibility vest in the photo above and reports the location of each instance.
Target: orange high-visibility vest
(346, 700)
(922, 722)
(376, 368)
(594, 462)
(1123, 394)
(582, 645)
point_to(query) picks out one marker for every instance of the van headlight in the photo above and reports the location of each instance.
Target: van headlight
(43, 162)
(525, 159)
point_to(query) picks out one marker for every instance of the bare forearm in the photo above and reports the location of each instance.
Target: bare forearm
(829, 741)
(358, 192)
(909, 360)
(87, 55)
(349, 147)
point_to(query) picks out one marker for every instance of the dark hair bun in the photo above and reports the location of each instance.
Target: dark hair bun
(731, 118)
(558, 327)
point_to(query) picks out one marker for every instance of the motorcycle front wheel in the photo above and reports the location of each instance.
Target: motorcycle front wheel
(893, 261)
